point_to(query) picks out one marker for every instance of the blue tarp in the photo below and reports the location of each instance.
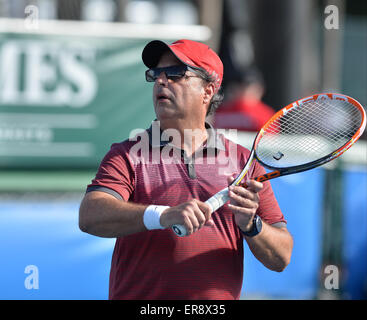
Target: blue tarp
(300, 198)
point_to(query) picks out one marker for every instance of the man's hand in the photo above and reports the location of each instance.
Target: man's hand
(193, 214)
(244, 201)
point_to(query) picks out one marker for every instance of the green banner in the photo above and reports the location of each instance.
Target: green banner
(65, 99)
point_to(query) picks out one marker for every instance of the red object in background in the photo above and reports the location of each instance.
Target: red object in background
(243, 114)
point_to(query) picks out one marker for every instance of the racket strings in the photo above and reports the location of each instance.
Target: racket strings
(308, 132)
(306, 123)
(295, 122)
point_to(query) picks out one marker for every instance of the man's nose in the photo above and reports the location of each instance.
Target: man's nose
(162, 78)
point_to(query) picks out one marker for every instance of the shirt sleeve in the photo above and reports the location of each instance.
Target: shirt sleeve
(115, 174)
(269, 209)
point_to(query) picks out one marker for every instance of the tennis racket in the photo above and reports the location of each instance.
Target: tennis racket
(303, 135)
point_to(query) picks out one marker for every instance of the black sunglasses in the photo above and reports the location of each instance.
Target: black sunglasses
(173, 72)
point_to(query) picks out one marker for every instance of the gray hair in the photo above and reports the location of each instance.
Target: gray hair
(218, 96)
(215, 102)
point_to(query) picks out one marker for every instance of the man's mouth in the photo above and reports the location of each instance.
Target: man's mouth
(162, 97)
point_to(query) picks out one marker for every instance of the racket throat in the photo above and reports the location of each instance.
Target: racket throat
(268, 176)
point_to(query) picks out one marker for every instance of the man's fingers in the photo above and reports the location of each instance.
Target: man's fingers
(253, 185)
(209, 223)
(204, 208)
(244, 198)
(242, 210)
(202, 205)
(230, 179)
(199, 213)
(193, 215)
(245, 193)
(207, 211)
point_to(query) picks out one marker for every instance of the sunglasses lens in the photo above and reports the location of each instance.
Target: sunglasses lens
(150, 75)
(172, 73)
(175, 72)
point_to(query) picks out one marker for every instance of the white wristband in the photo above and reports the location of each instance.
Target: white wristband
(152, 216)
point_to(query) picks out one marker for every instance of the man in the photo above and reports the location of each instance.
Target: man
(137, 199)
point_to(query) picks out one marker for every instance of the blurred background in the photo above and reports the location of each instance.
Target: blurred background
(72, 83)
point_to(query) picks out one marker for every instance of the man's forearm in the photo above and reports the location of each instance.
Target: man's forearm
(102, 215)
(272, 247)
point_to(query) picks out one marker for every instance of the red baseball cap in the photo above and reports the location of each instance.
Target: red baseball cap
(192, 53)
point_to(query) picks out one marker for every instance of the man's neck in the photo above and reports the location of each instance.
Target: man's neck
(186, 136)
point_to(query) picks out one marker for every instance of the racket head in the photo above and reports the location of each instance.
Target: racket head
(310, 132)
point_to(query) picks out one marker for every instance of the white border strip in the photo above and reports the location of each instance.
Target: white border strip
(54, 120)
(53, 149)
(107, 29)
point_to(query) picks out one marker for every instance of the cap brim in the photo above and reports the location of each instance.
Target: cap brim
(154, 50)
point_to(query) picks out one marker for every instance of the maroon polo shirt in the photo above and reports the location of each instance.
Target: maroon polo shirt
(157, 264)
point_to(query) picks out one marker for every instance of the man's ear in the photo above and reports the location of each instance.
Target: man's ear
(209, 91)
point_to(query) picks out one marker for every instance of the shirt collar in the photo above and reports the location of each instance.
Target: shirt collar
(155, 134)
